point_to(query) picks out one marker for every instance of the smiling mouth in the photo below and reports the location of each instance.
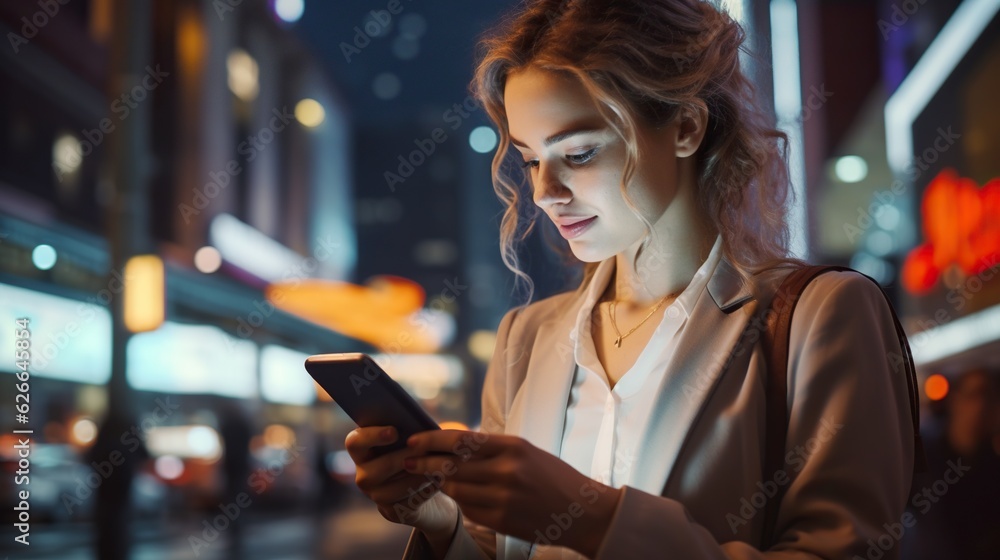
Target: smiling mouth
(576, 228)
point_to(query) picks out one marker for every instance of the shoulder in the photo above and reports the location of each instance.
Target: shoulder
(843, 291)
(844, 309)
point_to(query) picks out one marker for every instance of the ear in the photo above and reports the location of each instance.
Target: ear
(691, 125)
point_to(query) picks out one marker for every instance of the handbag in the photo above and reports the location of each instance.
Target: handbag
(776, 340)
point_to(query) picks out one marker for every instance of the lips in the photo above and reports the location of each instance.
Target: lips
(567, 221)
(577, 226)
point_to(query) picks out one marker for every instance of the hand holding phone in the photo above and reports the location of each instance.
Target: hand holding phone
(376, 403)
(369, 395)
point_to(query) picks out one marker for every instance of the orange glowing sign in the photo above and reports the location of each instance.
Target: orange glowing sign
(961, 225)
(382, 312)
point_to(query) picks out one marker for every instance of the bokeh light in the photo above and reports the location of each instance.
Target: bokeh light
(310, 113)
(44, 257)
(207, 259)
(936, 387)
(289, 10)
(483, 139)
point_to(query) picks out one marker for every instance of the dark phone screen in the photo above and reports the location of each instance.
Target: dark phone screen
(369, 395)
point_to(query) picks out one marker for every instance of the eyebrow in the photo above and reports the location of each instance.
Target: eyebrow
(559, 136)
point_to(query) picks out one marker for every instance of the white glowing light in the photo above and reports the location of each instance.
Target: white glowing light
(196, 442)
(483, 139)
(44, 257)
(851, 169)
(169, 467)
(788, 108)
(283, 377)
(244, 74)
(185, 358)
(67, 154)
(958, 336)
(207, 259)
(250, 249)
(82, 330)
(929, 74)
(204, 441)
(84, 430)
(289, 10)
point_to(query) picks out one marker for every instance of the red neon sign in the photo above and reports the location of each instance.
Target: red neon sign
(961, 224)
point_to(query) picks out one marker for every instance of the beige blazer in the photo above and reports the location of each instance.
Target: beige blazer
(697, 489)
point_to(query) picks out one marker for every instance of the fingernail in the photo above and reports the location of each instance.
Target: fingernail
(412, 441)
(387, 433)
(409, 463)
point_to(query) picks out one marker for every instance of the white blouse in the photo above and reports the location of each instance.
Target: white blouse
(603, 425)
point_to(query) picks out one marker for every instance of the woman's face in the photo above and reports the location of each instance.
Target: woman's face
(575, 163)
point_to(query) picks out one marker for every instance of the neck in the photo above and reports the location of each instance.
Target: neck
(667, 265)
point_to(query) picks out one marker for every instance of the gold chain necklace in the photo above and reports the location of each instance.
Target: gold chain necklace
(611, 312)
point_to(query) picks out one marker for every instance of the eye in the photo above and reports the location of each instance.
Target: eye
(580, 159)
(532, 163)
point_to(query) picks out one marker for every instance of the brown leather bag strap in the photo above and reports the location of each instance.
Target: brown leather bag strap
(776, 342)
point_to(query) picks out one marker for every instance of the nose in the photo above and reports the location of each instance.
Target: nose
(548, 189)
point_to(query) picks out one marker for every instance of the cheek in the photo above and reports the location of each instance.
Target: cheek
(655, 186)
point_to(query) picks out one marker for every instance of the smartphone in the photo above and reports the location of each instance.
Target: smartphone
(369, 396)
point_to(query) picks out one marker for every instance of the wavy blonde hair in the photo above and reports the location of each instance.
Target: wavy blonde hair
(643, 61)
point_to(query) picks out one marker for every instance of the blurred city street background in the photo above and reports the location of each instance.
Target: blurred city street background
(196, 195)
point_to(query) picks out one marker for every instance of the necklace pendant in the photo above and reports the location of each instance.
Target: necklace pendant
(618, 342)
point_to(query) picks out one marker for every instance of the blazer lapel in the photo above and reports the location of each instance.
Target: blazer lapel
(538, 412)
(706, 342)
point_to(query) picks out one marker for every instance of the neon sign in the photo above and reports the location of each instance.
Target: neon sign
(961, 224)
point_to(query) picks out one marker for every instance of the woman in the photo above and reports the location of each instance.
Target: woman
(626, 419)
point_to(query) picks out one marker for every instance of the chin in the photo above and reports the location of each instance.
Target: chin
(588, 253)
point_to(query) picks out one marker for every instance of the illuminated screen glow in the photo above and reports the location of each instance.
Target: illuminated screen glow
(178, 358)
(283, 376)
(70, 339)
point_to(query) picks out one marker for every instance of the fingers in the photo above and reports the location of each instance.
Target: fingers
(383, 478)
(473, 495)
(411, 489)
(453, 467)
(463, 443)
(360, 441)
(375, 472)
